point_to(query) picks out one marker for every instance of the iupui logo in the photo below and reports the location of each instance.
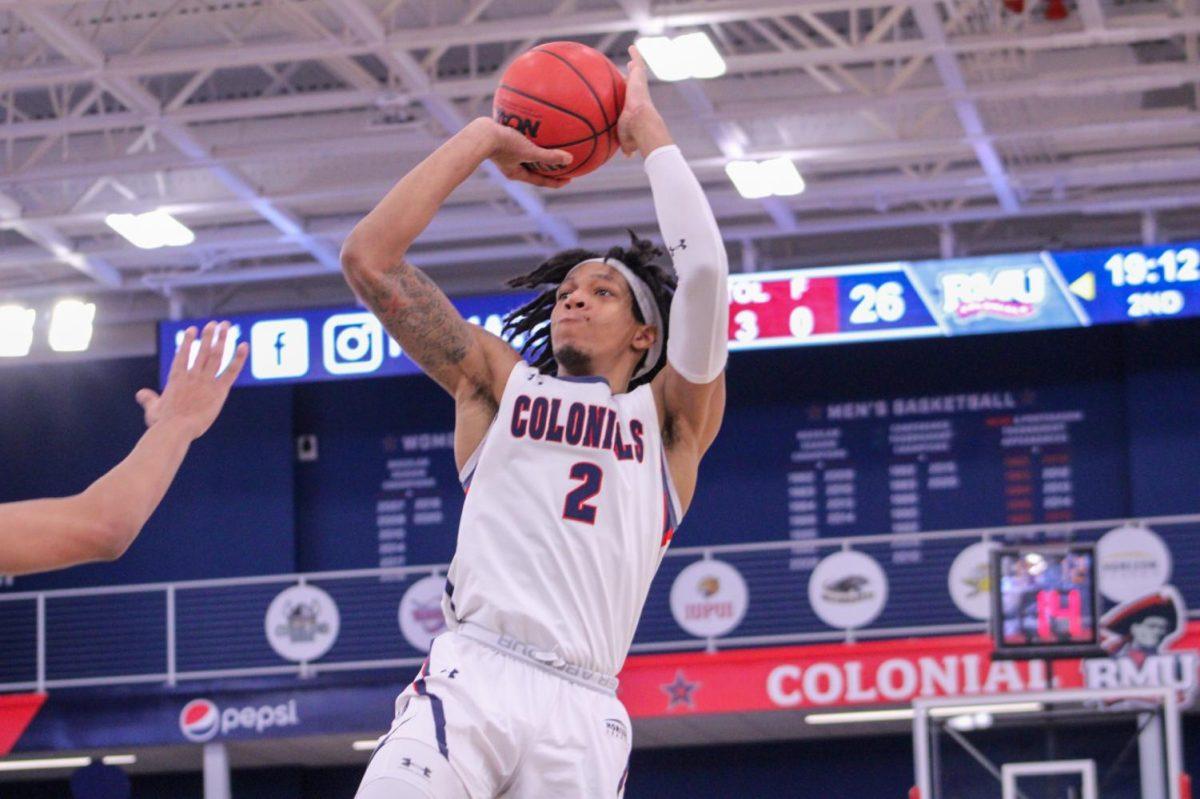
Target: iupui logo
(709, 598)
(201, 720)
(1139, 636)
(1015, 293)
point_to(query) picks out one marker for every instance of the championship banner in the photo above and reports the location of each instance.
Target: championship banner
(896, 672)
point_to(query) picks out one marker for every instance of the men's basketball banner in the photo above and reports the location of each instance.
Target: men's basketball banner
(888, 673)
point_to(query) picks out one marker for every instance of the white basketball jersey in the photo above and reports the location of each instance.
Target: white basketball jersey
(569, 509)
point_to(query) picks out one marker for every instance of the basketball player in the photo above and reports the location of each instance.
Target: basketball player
(578, 467)
(101, 522)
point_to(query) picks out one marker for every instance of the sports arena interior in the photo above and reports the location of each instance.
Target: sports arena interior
(946, 544)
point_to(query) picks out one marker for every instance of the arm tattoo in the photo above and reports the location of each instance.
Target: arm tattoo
(418, 315)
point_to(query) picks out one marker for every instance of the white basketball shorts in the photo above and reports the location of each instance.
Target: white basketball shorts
(481, 723)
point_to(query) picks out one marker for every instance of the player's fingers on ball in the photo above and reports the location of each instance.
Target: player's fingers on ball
(551, 182)
(558, 157)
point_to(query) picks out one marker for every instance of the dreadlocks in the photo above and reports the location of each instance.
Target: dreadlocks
(533, 318)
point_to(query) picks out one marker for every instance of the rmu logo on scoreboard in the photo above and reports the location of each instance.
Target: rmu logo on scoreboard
(1015, 293)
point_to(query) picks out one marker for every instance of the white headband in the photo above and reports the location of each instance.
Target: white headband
(646, 303)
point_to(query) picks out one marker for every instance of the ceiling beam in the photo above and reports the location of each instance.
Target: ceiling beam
(362, 20)
(1083, 82)
(131, 93)
(57, 245)
(467, 226)
(1133, 203)
(1125, 30)
(729, 137)
(930, 22)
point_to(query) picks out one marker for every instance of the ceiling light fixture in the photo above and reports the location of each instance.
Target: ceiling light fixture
(71, 326)
(690, 55)
(151, 230)
(16, 330)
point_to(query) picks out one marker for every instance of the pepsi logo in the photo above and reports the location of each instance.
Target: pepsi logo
(199, 720)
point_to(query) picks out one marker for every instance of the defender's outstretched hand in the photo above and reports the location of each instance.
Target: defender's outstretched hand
(195, 395)
(101, 522)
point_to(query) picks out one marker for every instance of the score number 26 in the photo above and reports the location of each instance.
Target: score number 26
(882, 303)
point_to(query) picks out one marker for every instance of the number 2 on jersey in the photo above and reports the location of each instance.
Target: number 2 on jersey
(576, 507)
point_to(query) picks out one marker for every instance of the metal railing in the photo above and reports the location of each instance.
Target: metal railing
(214, 629)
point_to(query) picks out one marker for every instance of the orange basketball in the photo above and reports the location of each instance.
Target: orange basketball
(563, 96)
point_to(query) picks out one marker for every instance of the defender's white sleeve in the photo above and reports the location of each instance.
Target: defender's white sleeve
(698, 344)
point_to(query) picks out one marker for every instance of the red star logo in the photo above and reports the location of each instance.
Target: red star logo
(680, 691)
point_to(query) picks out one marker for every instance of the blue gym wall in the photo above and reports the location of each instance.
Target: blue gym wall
(230, 511)
(243, 505)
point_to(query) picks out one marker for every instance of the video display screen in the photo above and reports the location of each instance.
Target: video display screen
(1044, 601)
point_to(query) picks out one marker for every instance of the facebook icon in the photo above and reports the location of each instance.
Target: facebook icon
(279, 349)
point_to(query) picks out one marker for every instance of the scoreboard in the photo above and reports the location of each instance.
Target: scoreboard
(826, 306)
(1117, 285)
(799, 307)
(994, 294)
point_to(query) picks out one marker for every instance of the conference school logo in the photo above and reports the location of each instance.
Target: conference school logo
(970, 581)
(302, 623)
(709, 598)
(847, 590)
(1132, 561)
(420, 613)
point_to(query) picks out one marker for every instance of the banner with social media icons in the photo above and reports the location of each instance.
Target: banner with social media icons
(322, 344)
(798, 307)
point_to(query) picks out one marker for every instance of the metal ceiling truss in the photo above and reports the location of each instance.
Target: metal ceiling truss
(269, 126)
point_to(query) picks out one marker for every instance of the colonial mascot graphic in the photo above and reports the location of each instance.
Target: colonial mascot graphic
(1144, 627)
(1140, 637)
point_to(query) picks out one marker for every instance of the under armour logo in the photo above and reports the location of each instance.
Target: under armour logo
(682, 245)
(450, 673)
(408, 763)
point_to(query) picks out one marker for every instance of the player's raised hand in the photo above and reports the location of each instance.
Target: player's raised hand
(194, 396)
(513, 153)
(639, 113)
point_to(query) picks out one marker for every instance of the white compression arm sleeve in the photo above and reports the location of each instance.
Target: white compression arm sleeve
(698, 344)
